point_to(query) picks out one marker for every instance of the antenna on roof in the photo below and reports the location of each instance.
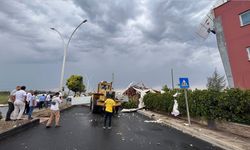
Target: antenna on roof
(206, 26)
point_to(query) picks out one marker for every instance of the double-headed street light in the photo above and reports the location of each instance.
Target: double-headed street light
(65, 50)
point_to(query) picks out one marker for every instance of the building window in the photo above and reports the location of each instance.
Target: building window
(245, 18)
(248, 53)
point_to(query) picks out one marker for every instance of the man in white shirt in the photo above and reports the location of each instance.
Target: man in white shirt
(19, 104)
(11, 103)
(54, 111)
(47, 100)
(29, 95)
(32, 104)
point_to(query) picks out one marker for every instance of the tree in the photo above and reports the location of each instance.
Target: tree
(75, 83)
(216, 82)
(165, 88)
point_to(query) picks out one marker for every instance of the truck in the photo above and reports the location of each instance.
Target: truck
(97, 99)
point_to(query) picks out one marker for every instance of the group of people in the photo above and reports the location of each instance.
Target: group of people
(19, 102)
(22, 102)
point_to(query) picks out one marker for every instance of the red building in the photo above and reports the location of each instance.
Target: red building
(232, 27)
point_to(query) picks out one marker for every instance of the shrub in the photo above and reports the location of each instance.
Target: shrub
(129, 105)
(231, 104)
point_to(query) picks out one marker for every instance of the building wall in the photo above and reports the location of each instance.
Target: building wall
(237, 39)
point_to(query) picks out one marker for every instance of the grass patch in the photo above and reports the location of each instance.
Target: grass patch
(4, 96)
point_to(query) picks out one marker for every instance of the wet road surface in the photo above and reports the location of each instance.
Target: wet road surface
(82, 130)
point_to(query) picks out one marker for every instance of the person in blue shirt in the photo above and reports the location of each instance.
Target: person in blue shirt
(42, 99)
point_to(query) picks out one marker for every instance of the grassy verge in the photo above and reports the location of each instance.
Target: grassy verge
(4, 97)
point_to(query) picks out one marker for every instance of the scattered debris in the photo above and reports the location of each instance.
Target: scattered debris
(129, 110)
(137, 91)
(154, 121)
(175, 112)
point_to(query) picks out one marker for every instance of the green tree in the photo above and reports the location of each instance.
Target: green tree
(165, 88)
(216, 82)
(75, 83)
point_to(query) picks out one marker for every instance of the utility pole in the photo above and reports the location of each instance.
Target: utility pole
(172, 76)
(113, 79)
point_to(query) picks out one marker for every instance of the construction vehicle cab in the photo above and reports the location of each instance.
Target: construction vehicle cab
(97, 100)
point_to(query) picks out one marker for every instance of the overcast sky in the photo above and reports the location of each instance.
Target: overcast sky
(138, 40)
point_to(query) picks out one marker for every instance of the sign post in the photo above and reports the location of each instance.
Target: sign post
(184, 84)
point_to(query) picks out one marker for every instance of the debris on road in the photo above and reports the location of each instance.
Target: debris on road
(129, 110)
(154, 121)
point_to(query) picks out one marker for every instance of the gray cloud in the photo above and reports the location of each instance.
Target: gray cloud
(138, 40)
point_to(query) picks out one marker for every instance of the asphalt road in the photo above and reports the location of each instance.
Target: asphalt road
(82, 130)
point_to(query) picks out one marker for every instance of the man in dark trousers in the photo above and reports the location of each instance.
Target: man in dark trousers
(11, 103)
(109, 108)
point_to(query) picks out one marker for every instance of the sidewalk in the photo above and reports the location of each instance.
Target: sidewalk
(41, 114)
(221, 139)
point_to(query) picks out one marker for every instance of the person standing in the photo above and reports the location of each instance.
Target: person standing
(19, 104)
(41, 101)
(11, 103)
(54, 111)
(47, 101)
(32, 104)
(27, 102)
(109, 108)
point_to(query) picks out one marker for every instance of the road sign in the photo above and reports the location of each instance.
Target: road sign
(184, 83)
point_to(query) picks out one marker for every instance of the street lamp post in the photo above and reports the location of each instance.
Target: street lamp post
(65, 47)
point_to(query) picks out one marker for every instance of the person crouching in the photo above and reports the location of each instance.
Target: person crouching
(54, 111)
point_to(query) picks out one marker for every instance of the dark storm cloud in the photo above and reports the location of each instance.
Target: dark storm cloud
(173, 19)
(138, 40)
(109, 14)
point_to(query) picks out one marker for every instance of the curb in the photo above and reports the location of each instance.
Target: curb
(3, 105)
(19, 129)
(25, 126)
(217, 142)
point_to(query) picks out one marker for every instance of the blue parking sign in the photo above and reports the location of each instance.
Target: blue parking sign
(184, 83)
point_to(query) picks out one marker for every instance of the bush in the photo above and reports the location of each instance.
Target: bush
(129, 105)
(235, 105)
(231, 104)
